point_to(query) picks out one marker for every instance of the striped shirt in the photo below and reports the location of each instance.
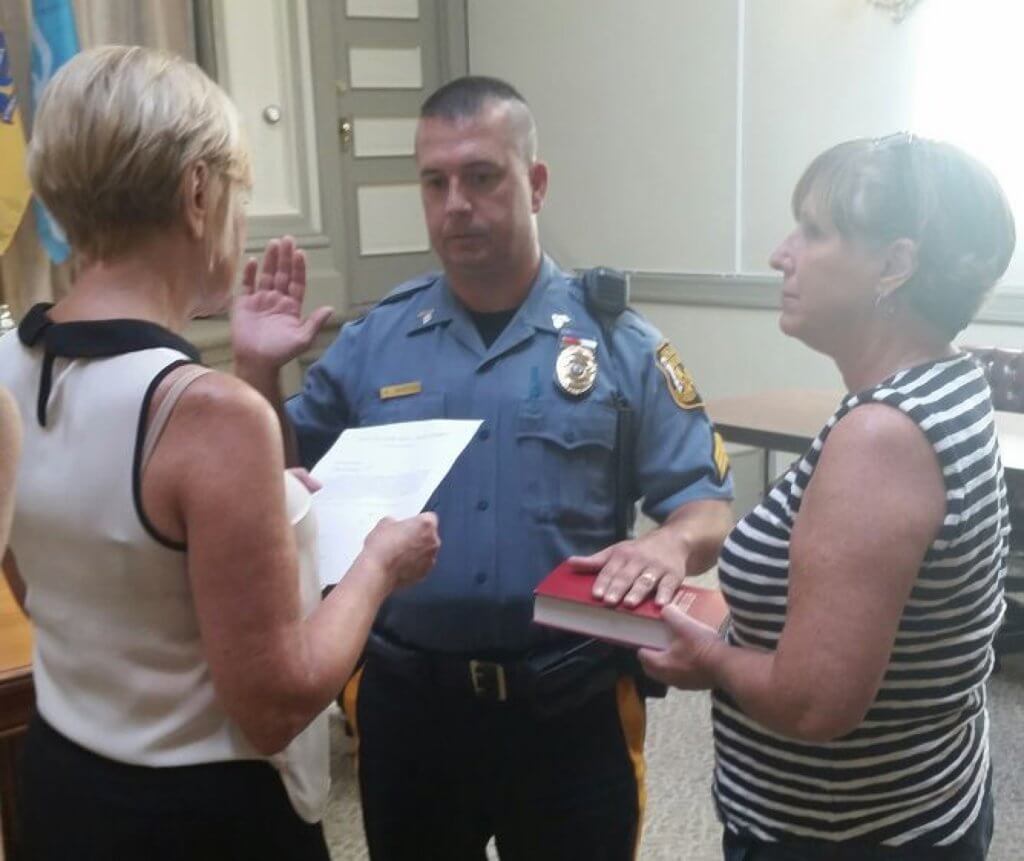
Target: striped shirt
(915, 768)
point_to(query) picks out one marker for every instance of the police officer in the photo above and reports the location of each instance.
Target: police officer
(472, 722)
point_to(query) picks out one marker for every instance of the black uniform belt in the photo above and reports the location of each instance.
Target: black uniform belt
(495, 681)
(551, 679)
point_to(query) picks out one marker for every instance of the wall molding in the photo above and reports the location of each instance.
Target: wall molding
(258, 244)
(691, 288)
(1005, 306)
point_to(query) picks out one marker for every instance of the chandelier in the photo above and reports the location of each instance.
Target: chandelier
(899, 9)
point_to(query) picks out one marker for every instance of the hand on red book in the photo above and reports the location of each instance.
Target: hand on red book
(630, 571)
(685, 663)
(564, 600)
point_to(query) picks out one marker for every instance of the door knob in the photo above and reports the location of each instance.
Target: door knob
(345, 130)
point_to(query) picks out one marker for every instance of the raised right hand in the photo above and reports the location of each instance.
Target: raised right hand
(405, 549)
(267, 329)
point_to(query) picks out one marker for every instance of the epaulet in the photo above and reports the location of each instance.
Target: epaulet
(409, 288)
(631, 325)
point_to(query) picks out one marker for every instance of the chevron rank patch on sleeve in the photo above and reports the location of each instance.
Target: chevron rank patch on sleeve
(719, 456)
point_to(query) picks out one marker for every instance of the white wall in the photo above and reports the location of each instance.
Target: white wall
(676, 129)
(637, 121)
(816, 72)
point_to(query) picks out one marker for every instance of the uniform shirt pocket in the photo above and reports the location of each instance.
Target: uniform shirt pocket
(567, 456)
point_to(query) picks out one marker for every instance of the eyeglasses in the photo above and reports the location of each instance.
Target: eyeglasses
(896, 139)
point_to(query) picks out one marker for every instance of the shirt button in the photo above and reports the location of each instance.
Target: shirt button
(480, 577)
(484, 433)
(482, 505)
(570, 435)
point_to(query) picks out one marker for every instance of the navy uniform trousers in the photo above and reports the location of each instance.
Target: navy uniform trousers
(441, 771)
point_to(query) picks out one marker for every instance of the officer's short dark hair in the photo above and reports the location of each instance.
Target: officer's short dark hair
(467, 96)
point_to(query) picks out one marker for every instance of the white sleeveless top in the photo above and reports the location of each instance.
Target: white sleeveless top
(118, 662)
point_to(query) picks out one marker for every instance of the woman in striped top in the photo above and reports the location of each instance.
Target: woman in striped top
(849, 702)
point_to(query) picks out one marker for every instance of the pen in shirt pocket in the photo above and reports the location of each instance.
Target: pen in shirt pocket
(534, 393)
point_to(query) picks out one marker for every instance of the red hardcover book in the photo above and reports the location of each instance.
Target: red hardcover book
(563, 600)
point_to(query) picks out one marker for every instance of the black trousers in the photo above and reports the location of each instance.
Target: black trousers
(972, 846)
(441, 772)
(78, 805)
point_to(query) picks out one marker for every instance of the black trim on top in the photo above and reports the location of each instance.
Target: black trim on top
(93, 339)
(45, 384)
(34, 323)
(140, 441)
(90, 339)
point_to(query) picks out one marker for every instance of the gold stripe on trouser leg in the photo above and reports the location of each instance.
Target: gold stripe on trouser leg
(349, 701)
(634, 726)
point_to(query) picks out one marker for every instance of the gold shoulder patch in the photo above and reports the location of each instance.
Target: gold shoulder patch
(680, 383)
(719, 456)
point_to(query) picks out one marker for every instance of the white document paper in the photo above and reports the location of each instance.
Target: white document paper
(375, 472)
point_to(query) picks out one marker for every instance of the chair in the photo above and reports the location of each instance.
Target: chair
(1004, 370)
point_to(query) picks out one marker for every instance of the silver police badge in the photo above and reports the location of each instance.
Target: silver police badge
(576, 365)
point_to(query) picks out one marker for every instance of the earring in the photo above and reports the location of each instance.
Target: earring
(884, 304)
(210, 253)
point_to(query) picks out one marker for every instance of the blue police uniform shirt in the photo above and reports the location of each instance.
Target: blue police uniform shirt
(537, 483)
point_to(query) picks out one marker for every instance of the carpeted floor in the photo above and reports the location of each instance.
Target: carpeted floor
(680, 823)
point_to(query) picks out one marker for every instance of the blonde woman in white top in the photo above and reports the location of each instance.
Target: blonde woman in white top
(183, 658)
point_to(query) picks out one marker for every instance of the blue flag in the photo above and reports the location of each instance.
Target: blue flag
(54, 42)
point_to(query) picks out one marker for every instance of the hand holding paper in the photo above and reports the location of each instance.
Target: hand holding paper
(376, 472)
(405, 549)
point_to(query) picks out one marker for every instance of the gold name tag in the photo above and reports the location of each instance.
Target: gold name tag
(401, 390)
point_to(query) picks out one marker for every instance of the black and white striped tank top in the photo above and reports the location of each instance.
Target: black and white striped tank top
(915, 769)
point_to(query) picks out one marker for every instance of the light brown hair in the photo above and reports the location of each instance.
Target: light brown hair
(933, 193)
(115, 131)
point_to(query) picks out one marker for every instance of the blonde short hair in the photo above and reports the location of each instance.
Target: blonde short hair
(114, 133)
(946, 201)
